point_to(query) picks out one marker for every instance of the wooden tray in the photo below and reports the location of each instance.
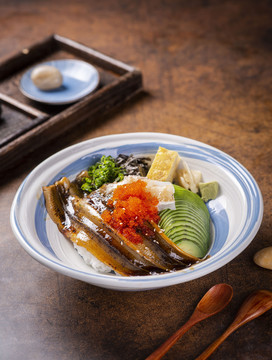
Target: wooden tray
(26, 125)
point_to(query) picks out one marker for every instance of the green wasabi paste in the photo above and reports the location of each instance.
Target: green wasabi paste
(209, 190)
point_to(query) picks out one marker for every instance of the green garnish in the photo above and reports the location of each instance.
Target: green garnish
(104, 171)
(208, 190)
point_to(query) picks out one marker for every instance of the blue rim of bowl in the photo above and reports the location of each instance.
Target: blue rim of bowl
(82, 94)
(246, 235)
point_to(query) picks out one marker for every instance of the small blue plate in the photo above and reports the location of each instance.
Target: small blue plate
(79, 80)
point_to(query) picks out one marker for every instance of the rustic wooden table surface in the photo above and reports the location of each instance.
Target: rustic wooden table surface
(207, 76)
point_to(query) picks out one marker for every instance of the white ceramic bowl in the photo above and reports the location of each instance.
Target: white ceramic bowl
(236, 213)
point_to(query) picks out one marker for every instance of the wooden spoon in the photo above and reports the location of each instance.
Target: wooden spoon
(212, 302)
(255, 305)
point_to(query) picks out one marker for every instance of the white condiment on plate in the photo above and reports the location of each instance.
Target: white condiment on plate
(46, 77)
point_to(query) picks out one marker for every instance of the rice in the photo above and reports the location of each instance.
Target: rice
(92, 261)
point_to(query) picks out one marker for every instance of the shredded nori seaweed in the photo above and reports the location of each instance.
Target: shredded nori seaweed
(108, 170)
(133, 165)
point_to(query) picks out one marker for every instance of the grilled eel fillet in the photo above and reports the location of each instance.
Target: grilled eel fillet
(78, 219)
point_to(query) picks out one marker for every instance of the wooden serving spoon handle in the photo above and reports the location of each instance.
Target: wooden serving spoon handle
(255, 305)
(215, 300)
(162, 350)
(210, 349)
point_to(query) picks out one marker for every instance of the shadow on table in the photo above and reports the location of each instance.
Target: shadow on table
(89, 322)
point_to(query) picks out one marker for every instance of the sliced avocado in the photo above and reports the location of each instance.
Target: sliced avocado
(186, 208)
(195, 241)
(191, 248)
(188, 237)
(184, 215)
(188, 226)
(192, 207)
(183, 194)
(179, 233)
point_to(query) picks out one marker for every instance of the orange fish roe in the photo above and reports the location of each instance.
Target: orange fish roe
(130, 206)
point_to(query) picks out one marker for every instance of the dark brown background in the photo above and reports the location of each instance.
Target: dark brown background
(207, 76)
